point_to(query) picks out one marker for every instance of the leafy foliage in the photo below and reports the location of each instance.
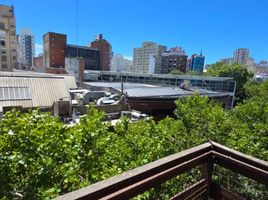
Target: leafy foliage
(176, 72)
(41, 158)
(240, 74)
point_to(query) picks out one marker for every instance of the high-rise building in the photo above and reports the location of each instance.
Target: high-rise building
(174, 59)
(54, 45)
(119, 63)
(8, 39)
(241, 56)
(141, 58)
(26, 49)
(105, 49)
(197, 63)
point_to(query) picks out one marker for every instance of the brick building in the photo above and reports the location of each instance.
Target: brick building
(105, 49)
(54, 45)
(173, 62)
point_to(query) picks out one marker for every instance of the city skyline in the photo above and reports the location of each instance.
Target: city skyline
(215, 27)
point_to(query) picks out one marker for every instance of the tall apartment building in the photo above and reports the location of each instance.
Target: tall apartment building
(147, 59)
(105, 49)
(174, 59)
(119, 63)
(54, 46)
(8, 39)
(241, 56)
(197, 63)
(26, 49)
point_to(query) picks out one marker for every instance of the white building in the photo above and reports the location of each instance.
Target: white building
(141, 57)
(119, 63)
(8, 39)
(26, 49)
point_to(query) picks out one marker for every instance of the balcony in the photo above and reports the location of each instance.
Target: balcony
(215, 172)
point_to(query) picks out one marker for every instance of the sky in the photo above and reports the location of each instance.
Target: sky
(217, 27)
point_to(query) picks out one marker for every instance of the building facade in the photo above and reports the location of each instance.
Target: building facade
(227, 61)
(241, 56)
(26, 49)
(174, 59)
(8, 39)
(59, 57)
(119, 63)
(197, 63)
(38, 64)
(105, 49)
(90, 55)
(54, 45)
(145, 55)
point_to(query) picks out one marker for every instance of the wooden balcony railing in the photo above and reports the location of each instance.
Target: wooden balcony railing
(134, 182)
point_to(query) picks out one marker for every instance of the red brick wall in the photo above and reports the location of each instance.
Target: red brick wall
(104, 48)
(55, 71)
(57, 45)
(38, 62)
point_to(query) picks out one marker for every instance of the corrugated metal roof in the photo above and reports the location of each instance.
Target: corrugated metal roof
(70, 79)
(44, 89)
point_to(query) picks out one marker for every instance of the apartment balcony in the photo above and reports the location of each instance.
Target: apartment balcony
(208, 171)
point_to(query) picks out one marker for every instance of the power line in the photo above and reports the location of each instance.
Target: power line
(76, 21)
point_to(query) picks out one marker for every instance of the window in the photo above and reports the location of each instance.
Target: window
(3, 43)
(14, 93)
(3, 58)
(2, 25)
(4, 66)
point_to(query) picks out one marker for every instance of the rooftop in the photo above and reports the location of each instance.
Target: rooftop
(169, 76)
(146, 90)
(82, 47)
(33, 89)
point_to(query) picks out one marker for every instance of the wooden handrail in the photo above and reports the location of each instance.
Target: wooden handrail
(136, 181)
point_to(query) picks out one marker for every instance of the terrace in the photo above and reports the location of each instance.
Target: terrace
(208, 171)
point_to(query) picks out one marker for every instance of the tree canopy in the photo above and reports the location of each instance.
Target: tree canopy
(41, 158)
(240, 74)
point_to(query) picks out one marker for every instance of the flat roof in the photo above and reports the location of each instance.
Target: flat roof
(82, 47)
(146, 90)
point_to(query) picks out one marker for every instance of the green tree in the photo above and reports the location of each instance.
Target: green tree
(203, 119)
(253, 114)
(41, 158)
(176, 72)
(240, 74)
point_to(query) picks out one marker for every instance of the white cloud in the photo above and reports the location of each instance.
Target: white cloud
(38, 49)
(128, 57)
